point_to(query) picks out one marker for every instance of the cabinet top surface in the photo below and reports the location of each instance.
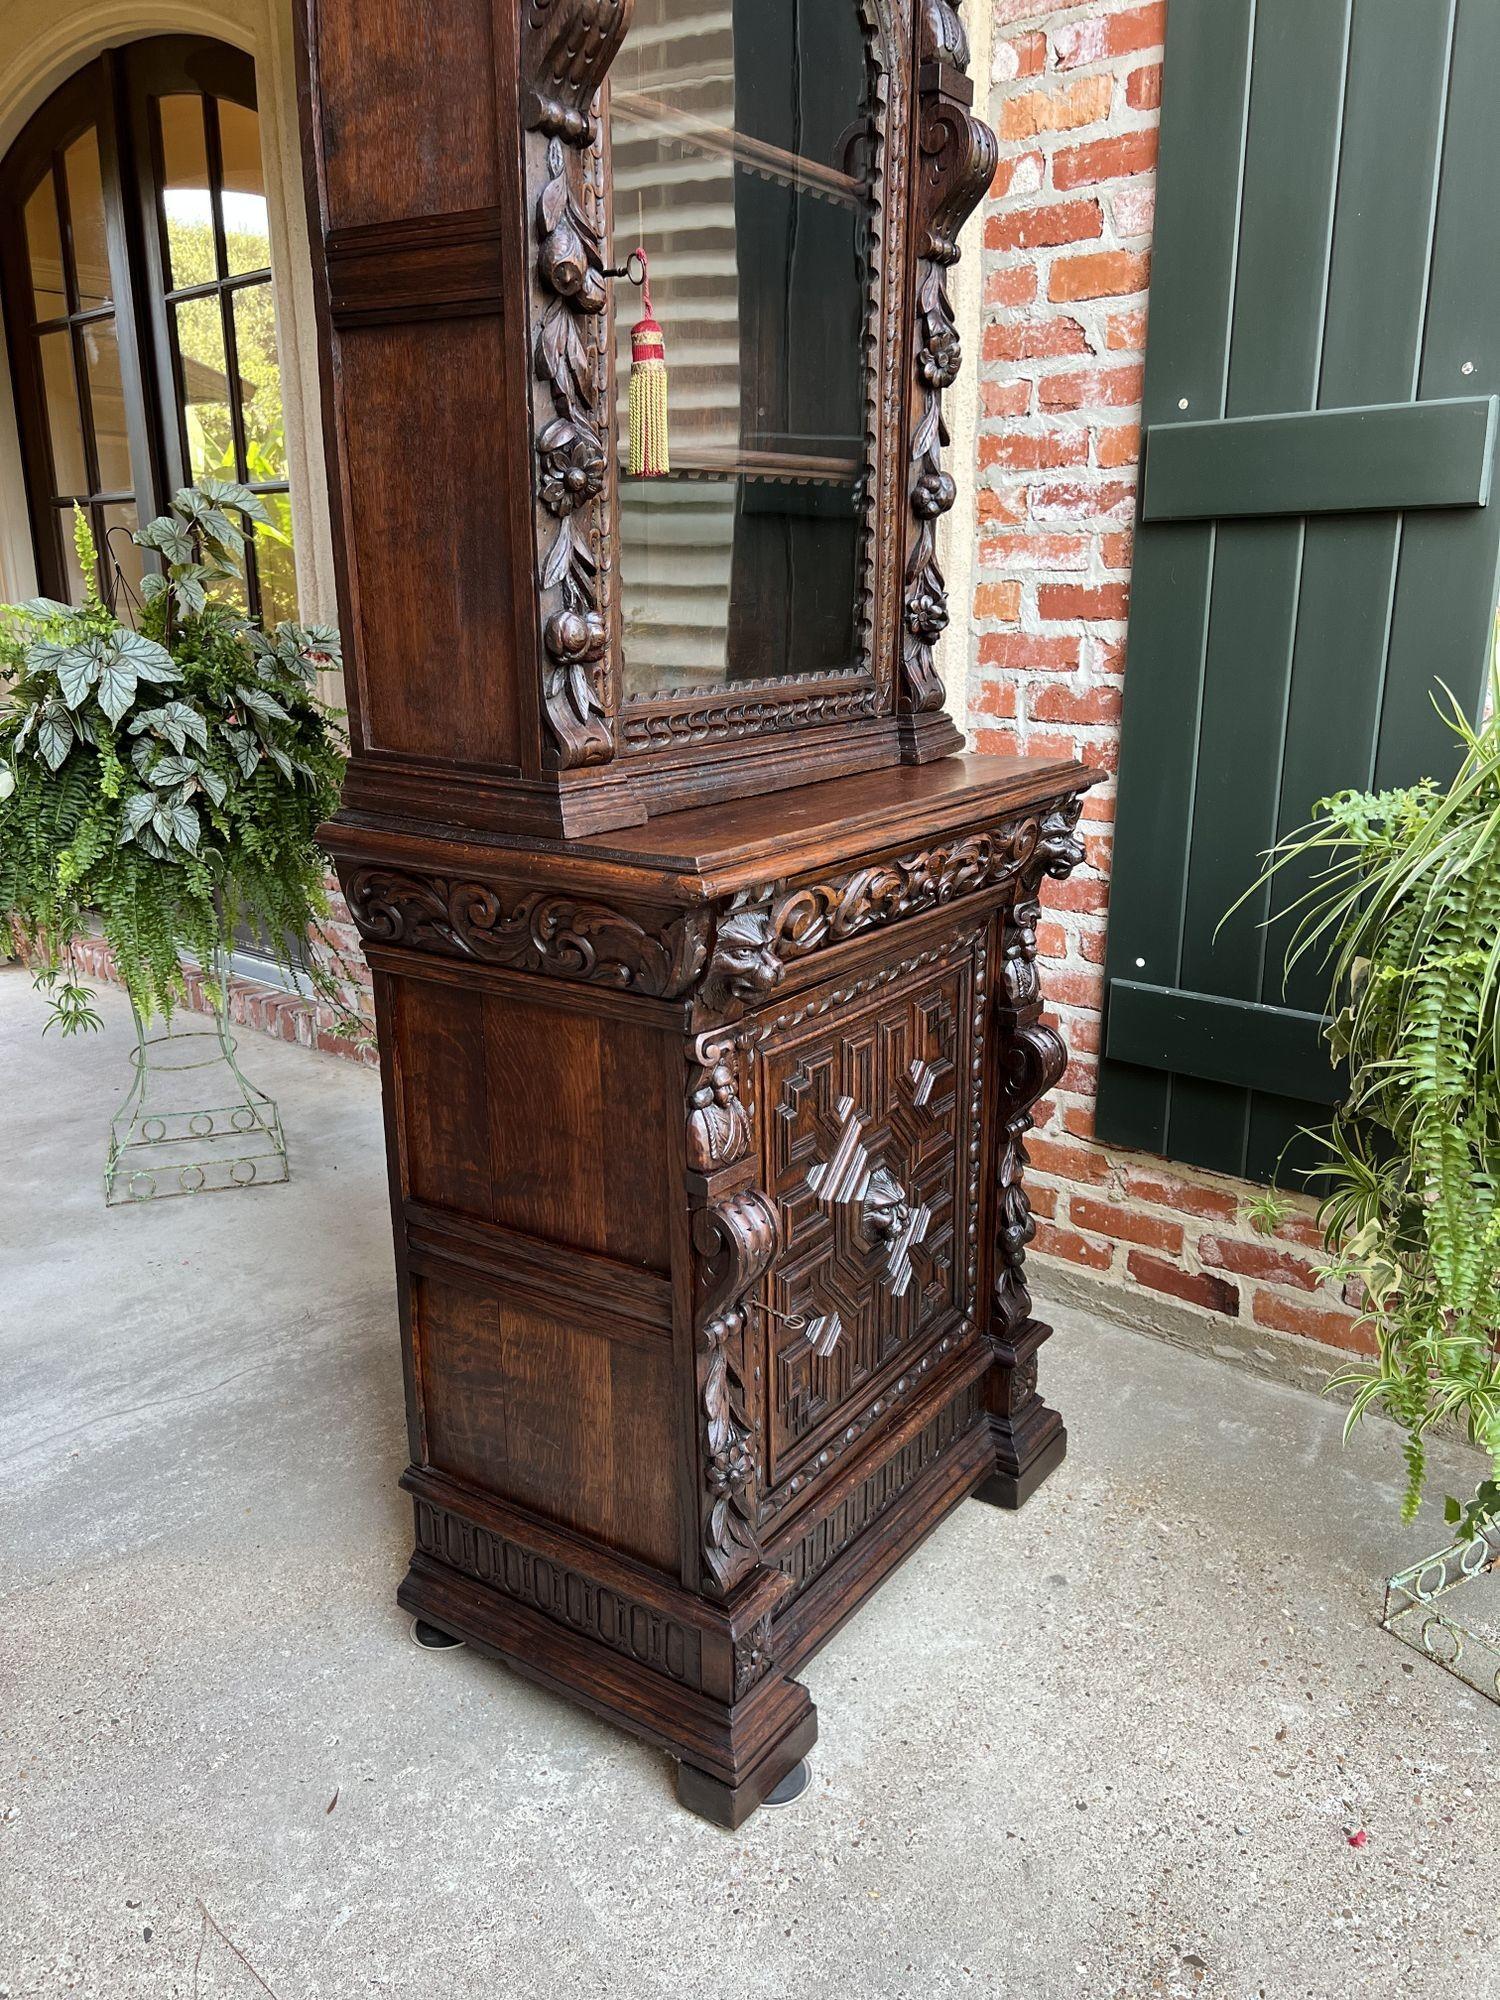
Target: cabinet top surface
(712, 851)
(787, 832)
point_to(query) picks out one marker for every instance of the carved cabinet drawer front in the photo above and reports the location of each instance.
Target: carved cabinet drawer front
(871, 1107)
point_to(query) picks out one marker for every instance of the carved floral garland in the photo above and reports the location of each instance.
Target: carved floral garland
(959, 154)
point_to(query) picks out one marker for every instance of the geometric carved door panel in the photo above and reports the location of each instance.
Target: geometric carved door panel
(871, 1117)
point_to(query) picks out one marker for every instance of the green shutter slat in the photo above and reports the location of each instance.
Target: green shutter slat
(1447, 583)
(1288, 194)
(1236, 1042)
(1370, 459)
(1192, 294)
(1382, 246)
(1314, 539)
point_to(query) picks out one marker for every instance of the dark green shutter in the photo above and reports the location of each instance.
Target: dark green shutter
(1317, 544)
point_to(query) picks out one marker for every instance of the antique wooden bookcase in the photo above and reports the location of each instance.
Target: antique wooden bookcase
(705, 961)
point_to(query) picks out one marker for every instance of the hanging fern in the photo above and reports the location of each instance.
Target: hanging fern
(1405, 911)
(171, 778)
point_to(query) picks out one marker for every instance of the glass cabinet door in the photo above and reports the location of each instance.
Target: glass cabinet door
(741, 150)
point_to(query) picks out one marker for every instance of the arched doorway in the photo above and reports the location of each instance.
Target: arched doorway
(135, 260)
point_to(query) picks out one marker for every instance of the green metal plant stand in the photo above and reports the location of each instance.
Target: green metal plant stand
(1411, 1613)
(191, 1121)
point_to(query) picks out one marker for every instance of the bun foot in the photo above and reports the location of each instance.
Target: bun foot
(730, 1805)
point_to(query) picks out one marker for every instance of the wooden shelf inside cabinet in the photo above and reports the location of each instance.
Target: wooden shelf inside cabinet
(756, 156)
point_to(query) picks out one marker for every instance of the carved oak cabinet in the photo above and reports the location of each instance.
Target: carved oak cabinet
(705, 961)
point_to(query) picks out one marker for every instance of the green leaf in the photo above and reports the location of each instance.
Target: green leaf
(151, 661)
(189, 593)
(116, 684)
(213, 783)
(246, 748)
(279, 758)
(261, 703)
(229, 493)
(54, 736)
(167, 536)
(186, 827)
(137, 810)
(79, 668)
(175, 721)
(169, 771)
(46, 607)
(213, 525)
(153, 585)
(43, 655)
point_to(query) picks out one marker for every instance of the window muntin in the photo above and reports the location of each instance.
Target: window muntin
(139, 292)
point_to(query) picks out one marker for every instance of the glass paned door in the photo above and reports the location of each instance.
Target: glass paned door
(135, 248)
(85, 449)
(741, 143)
(214, 242)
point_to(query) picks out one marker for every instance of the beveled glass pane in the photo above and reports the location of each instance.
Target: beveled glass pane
(204, 381)
(247, 229)
(275, 561)
(742, 147)
(121, 558)
(187, 206)
(86, 218)
(69, 468)
(101, 360)
(44, 246)
(260, 383)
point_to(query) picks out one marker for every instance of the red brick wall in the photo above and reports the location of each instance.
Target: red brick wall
(1067, 262)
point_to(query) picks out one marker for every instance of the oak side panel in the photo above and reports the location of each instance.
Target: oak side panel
(440, 1031)
(411, 88)
(580, 1106)
(418, 407)
(550, 1415)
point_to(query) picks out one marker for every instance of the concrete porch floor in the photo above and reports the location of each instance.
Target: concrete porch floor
(1107, 1747)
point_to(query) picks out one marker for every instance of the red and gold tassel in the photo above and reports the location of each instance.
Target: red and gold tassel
(650, 451)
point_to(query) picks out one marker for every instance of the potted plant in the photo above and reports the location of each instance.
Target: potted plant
(165, 777)
(1404, 906)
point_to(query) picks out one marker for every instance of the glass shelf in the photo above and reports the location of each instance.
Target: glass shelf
(756, 156)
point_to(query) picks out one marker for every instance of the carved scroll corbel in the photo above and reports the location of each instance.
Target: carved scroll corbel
(567, 47)
(736, 1240)
(958, 155)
